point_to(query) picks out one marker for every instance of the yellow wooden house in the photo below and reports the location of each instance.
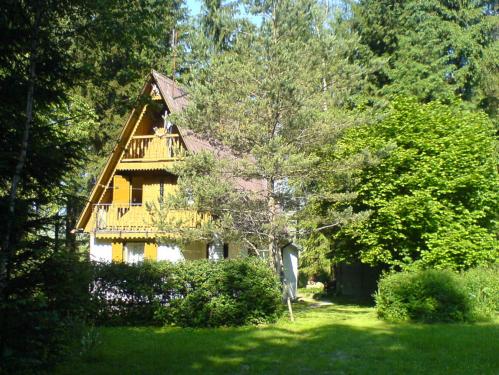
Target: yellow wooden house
(116, 216)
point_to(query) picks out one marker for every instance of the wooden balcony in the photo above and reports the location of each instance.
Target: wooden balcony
(136, 218)
(152, 147)
(151, 152)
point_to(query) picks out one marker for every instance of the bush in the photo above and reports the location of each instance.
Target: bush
(127, 294)
(482, 288)
(45, 313)
(425, 296)
(439, 295)
(190, 294)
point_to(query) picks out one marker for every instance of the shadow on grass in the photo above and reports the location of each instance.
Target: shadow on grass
(363, 301)
(313, 345)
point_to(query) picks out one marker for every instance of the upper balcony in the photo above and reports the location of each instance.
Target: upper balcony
(151, 151)
(136, 218)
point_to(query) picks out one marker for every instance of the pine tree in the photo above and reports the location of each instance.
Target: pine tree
(267, 101)
(45, 126)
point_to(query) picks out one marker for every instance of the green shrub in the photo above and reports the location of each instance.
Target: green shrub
(439, 295)
(425, 296)
(190, 294)
(482, 288)
(127, 294)
(44, 316)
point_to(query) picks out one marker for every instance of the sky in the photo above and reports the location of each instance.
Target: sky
(194, 7)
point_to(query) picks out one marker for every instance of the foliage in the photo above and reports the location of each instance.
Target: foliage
(439, 295)
(315, 262)
(124, 294)
(48, 48)
(482, 287)
(46, 312)
(190, 294)
(433, 49)
(426, 296)
(264, 102)
(424, 184)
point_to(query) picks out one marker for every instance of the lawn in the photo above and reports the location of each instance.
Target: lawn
(334, 339)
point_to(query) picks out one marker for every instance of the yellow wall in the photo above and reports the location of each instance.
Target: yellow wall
(151, 187)
(150, 119)
(121, 189)
(117, 249)
(126, 188)
(151, 250)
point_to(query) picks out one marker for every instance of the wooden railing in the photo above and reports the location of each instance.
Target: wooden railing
(137, 218)
(153, 147)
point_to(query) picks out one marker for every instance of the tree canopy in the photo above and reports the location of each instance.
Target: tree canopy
(425, 178)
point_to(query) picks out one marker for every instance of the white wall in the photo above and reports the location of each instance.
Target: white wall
(170, 252)
(290, 265)
(100, 250)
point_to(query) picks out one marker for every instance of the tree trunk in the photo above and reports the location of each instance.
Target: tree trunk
(5, 251)
(273, 247)
(71, 217)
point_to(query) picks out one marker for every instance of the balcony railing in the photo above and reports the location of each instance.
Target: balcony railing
(137, 218)
(153, 147)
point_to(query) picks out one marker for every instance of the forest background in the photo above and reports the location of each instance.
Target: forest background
(373, 123)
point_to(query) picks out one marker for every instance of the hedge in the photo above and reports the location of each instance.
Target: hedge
(439, 295)
(189, 294)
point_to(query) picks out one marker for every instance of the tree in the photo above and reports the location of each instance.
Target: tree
(264, 106)
(424, 182)
(42, 152)
(37, 71)
(433, 49)
(219, 23)
(253, 97)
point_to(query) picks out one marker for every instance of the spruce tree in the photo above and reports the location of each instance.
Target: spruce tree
(433, 49)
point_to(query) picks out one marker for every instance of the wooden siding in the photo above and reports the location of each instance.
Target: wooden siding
(117, 249)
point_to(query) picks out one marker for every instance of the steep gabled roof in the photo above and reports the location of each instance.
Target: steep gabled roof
(173, 95)
(176, 99)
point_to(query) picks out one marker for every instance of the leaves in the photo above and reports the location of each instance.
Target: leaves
(429, 187)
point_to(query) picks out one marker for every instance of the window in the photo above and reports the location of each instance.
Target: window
(226, 250)
(134, 252)
(137, 185)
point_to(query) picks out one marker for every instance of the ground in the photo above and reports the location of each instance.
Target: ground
(325, 339)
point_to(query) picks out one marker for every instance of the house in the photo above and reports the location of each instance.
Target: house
(136, 175)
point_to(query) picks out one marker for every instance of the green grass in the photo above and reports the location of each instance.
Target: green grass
(335, 339)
